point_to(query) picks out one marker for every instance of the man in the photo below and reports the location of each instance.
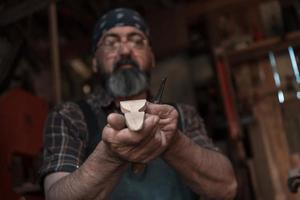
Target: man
(181, 161)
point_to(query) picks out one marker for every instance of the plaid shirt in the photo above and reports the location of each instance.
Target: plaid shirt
(65, 134)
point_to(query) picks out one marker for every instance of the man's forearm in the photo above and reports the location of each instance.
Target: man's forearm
(95, 179)
(205, 171)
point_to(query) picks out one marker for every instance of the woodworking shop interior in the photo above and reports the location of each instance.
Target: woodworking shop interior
(237, 61)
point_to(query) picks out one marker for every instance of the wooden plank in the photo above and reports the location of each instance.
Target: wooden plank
(261, 166)
(253, 176)
(268, 116)
(55, 52)
(259, 49)
(291, 119)
(271, 160)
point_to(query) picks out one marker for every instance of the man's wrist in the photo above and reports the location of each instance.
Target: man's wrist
(178, 143)
(108, 155)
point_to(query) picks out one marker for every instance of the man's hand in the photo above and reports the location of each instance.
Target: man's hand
(141, 146)
(160, 128)
(168, 122)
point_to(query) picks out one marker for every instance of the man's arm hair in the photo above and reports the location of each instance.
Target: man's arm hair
(206, 171)
(95, 179)
(192, 153)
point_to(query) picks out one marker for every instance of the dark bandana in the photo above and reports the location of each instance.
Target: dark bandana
(115, 18)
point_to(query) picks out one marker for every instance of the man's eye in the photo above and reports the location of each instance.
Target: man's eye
(110, 42)
(137, 41)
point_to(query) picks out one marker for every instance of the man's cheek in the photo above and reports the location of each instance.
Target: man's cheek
(107, 62)
(108, 66)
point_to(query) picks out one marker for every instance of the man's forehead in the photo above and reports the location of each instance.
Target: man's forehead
(124, 31)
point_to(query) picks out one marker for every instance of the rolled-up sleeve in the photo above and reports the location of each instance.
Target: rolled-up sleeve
(193, 126)
(64, 140)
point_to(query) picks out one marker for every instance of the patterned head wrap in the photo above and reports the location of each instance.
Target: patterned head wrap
(115, 18)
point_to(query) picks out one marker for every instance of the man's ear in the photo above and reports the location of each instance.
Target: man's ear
(94, 65)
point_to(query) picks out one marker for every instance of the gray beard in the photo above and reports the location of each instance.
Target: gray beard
(127, 82)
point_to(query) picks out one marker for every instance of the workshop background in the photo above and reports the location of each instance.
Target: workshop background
(237, 61)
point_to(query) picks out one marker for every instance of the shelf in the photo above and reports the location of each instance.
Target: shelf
(262, 48)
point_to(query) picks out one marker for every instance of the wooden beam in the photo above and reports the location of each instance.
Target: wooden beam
(195, 9)
(55, 52)
(262, 48)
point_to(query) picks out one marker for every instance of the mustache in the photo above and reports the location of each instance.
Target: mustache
(125, 61)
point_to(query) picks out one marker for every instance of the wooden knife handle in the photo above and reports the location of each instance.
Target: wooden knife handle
(138, 168)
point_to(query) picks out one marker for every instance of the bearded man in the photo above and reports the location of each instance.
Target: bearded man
(89, 151)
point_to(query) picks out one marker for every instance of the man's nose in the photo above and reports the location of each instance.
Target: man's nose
(124, 49)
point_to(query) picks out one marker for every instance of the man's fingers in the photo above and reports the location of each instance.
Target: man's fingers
(150, 122)
(116, 121)
(158, 150)
(156, 109)
(127, 137)
(162, 110)
(131, 145)
(146, 150)
(154, 155)
(108, 134)
(138, 137)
